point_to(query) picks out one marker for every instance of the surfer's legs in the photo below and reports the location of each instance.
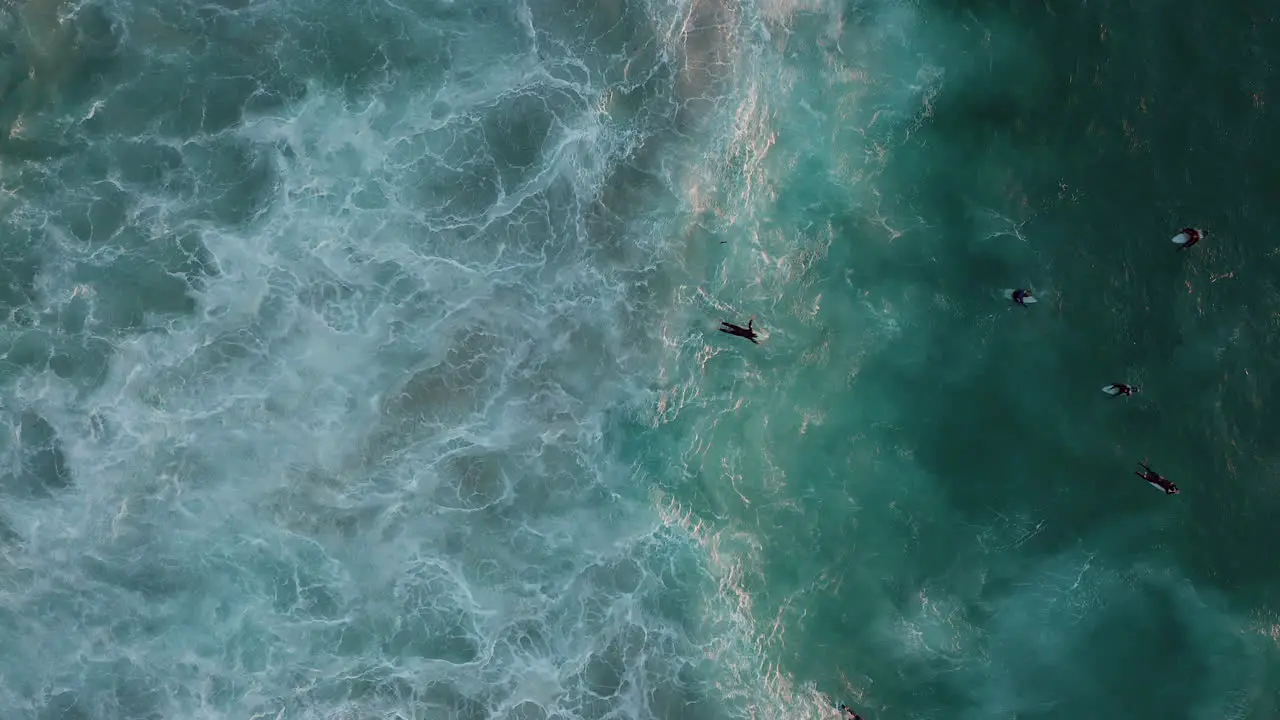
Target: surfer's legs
(738, 331)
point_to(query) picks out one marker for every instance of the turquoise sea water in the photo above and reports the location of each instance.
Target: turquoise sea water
(360, 360)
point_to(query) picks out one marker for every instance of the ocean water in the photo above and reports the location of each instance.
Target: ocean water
(359, 360)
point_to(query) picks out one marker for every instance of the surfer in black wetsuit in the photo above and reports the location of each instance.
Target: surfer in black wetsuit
(1020, 296)
(1118, 389)
(737, 330)
(1156, 479)
(1193, 237)
(850, 714)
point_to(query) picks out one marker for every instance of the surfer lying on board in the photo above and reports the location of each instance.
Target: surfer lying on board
(1020, 296)
(1193, 237)
(1155, 479)
(737, 330)
(851, 714)
(1118, 389)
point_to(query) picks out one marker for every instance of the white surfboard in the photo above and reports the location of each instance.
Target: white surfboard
(1111, 390)
(1184, 238)
(1008, 295)
(1155, 485)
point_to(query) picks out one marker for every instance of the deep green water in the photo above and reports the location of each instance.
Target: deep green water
(930, 500)
(360, 360)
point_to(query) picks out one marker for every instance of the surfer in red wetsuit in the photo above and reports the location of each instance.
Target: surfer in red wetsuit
(1118, 389)
(1156, 479)
(1193, 237)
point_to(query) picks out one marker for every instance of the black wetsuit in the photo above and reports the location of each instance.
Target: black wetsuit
(1020, 296)
(1122, 389)
(739, 331)
(1156, 479)
(851, 714)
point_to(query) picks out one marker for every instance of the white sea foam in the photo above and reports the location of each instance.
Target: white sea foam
(353, 356)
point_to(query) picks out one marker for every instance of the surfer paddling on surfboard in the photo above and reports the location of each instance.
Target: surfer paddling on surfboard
(849, 713)
(1022, 297)
(1118, 389)
(1187, 237)
(738, 331)
(1156, 480)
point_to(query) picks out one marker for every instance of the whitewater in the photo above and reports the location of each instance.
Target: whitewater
(318, 313)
